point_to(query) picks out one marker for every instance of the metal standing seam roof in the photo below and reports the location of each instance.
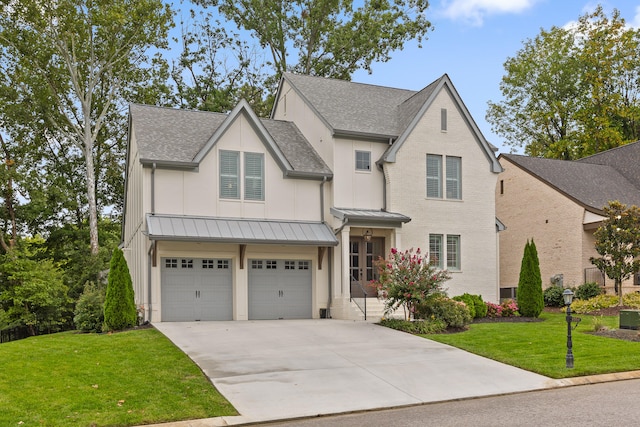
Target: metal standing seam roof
(371, 215)
(228, 230)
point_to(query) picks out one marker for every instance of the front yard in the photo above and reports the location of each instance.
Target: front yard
(122, 379)
(541, 346)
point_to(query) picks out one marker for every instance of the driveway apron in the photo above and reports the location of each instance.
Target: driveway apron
(284, 369)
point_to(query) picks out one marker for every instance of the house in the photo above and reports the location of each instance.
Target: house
(560, 204)
(230, 216)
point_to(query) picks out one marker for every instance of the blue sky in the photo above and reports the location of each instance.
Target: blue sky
(471, 41)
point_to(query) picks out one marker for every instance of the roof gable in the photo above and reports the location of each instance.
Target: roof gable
(588, 184)
(182, 138)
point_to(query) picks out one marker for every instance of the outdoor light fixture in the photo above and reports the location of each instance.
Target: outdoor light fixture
(367, 235)
(568, 299)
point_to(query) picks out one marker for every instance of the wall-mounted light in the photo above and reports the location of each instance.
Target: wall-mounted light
(367, 235)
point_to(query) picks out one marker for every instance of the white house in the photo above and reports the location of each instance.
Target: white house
(229, 216)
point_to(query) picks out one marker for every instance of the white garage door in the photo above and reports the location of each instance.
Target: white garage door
(196, 289)
(279, 289)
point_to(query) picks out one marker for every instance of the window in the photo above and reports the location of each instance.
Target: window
(229, 169)
(363, 161)
(502, 186)
(435, 250)
(254, 176)
(454, 184)
(207, 264)
(434, 176)
(223, 264)
(272, 264)
(453, 252)
(289, 265)
(303, 265)
(256, 264)
(171, 263)
(443, 119)
(187, 263)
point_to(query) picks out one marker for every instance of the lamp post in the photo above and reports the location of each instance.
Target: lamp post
(568, 299)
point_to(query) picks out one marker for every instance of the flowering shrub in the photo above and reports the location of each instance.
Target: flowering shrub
(406, 279)
(508, 308)
(631, 300)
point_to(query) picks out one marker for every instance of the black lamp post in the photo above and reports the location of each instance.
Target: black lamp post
(568, 299)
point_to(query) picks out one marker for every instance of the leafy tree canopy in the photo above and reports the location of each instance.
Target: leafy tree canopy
(572, 92)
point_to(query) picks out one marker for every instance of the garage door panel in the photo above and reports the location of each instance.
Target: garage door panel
(279, 289)
(196, 289)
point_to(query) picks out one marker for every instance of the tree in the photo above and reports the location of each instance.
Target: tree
(530, 295)
(618, 243)
(331, 37)
(32, 292)
(406, 279)
(572, 92)
(74, 60)
(119, 307)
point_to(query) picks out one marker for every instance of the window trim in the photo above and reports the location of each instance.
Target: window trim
(457, 266)
(439, 253)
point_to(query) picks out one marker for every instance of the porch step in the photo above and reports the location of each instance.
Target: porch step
(375, 310)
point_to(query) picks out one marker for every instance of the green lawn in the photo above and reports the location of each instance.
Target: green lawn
(122, 379)
(542, 346)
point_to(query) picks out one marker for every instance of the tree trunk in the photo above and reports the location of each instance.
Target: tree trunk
(91, 186)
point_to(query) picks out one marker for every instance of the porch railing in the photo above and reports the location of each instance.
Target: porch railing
(358, 291)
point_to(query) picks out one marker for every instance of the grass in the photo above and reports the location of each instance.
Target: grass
(542, 346)
(123, 379)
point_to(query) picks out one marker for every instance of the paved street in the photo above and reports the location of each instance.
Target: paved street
(604, 404)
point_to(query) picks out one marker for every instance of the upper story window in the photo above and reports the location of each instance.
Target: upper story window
(434, 176)
(453, 175)
(254, 176)
(229, 174)
(443, 119)
(454, 181)
(363, 161)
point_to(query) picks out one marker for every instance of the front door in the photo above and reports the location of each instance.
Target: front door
(362, 257)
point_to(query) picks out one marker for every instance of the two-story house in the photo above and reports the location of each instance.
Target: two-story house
(229, 216)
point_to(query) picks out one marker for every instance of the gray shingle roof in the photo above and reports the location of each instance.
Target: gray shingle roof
(172, 136)
(624, 159)
(350, 107)
(590, 184)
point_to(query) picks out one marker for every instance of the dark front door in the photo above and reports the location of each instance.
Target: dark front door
(362, 257)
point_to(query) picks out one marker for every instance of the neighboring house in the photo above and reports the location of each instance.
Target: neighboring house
(228, 216)
(560, 204)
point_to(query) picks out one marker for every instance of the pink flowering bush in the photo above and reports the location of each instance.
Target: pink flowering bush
(406, 279)
(508, 308)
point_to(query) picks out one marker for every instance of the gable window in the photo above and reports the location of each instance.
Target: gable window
(454, 184)
(363, 161)
(229, 170)
(254, 176)
(443, 119)
(434, 176)
(453, 252)
(435, 250)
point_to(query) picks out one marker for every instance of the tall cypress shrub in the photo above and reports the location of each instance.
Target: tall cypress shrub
(119, 306)
(530, 295)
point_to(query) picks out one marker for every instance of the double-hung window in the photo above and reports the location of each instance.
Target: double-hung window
(254, 176)
(434, 176)
(454, 184)
(435, 250)
(453, 252)
(229, 174)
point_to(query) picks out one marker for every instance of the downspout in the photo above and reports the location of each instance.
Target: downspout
(329, 261)
(324, 179)
(149, 255)
(152, 247)
(153, 189)
(330, 273)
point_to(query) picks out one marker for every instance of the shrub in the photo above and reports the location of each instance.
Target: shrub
(431, 326)
(89, 312)
(508, 308)
(407, 278)
(453, 313)
(469, 302)
(481, 307)
(119, 307)
(530, 299)
(594, 304)
(553, 296)
(588, 290)
(631, 300)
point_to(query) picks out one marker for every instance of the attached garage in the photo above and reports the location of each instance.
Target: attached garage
(280, 289)
(196, 289)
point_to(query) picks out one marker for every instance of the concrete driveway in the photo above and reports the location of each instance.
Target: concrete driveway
(284, 369)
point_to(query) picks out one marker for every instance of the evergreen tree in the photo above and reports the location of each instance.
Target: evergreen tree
(119, 306)
(530, 295)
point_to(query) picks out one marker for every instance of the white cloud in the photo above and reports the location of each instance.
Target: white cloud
(635, 22)
(474, 11)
